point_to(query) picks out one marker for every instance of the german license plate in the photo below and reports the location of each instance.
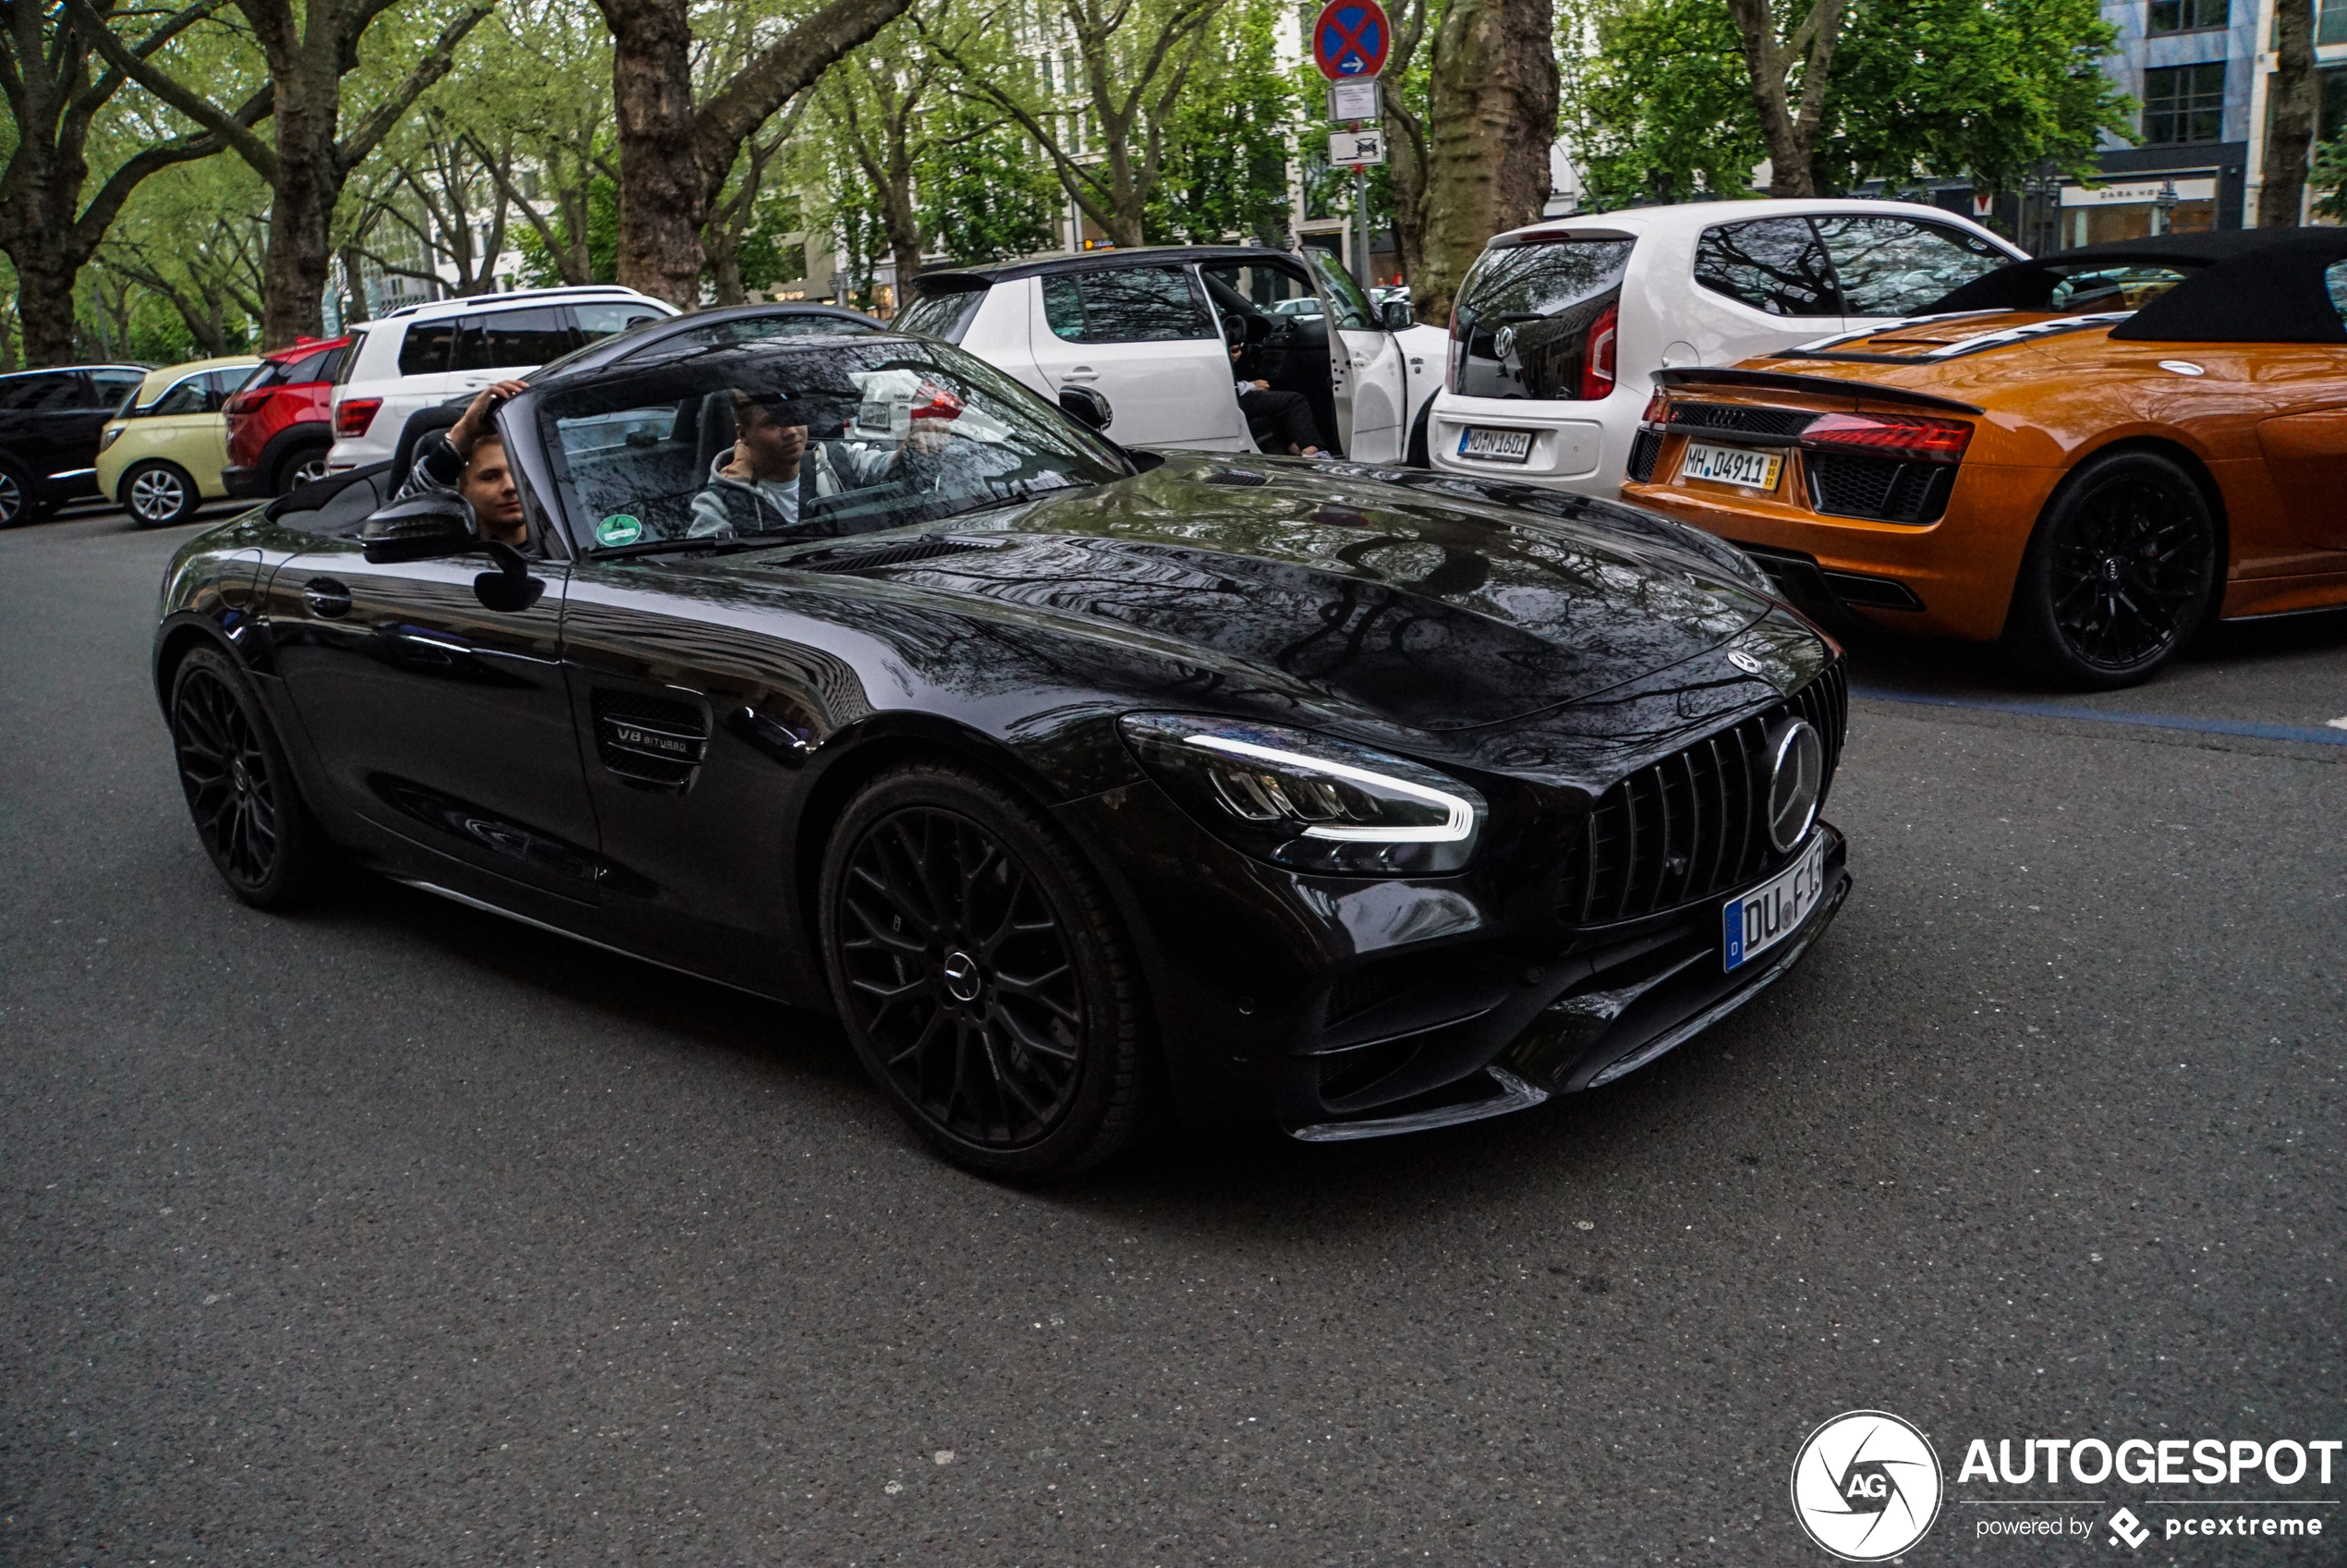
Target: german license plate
(1498, 445)
(1773, 911)
(1731, 465)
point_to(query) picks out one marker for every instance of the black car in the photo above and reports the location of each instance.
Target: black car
(49, 421)
(1320, 796)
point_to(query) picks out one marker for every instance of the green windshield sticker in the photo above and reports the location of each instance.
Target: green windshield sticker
(618, 528)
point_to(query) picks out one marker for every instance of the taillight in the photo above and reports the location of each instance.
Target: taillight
(1908, 437)
(1596, 359)
(1458, 346)
(1658, 410)
(355, 413)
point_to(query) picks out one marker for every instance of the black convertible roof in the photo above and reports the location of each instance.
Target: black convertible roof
(2247, 285)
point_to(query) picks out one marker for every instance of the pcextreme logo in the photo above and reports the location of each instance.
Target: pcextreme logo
(1866, 1485)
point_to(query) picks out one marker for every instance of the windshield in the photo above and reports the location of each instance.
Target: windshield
(806, 443)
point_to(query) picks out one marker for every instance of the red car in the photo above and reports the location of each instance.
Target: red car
(278, 425)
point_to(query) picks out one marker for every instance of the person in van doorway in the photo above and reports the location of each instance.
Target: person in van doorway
(1279, 422)
(467, 460)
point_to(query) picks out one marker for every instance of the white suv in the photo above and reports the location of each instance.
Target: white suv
(423, 355)
(1561, 326)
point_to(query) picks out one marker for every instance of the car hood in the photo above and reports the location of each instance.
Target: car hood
(1436, 612)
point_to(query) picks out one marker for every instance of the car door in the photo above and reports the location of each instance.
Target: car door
(1890, 267)
(1143, 338)
(1365, 372)
(437, 718)
(502, 345)
(693, 729)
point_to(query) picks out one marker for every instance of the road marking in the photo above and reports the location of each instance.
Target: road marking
(2333, 733)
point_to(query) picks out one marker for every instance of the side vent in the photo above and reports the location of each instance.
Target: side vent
(864, 559)
(656, 743)
(1236, 475)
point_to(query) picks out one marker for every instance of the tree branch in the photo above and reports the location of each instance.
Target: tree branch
(352, 149)
(238, 138)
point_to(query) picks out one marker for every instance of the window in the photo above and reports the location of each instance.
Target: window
(502, 340)
(1528, 315)
(2184, 103)
(945, 315)
(309, 367)
(2335, 279)
(36, 393)
(1351, 305)
(110, 387)
(2330, 22)
(1125, 305)
(1899, 267)
(602, 320)
(187, 396)
(1772, 264)
(888, 435)
(2188, 16)
(424, 351)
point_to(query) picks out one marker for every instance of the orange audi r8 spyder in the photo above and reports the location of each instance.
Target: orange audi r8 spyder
(2084, 457)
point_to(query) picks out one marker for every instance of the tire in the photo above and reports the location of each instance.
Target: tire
(19, 502)
(247, 810)
(2118, 574)
(300, 466)
(982, 976)
(158, 494)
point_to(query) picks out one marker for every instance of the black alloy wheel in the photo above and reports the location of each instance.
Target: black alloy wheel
(246, 809)
(2118, 576)
(158, 496)
(16, 499)
(982, 975)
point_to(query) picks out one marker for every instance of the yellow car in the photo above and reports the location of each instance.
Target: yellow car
(161, 452)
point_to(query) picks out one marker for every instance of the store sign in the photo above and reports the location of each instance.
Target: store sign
(2140, 193)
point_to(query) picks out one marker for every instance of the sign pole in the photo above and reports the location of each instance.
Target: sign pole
(1361, 214)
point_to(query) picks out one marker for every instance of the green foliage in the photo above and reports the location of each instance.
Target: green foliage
(2328, 177)
(1225, 168)
(764, 260)
(1662, 109)
(538, 267)
(1980, 88)
(985, 191)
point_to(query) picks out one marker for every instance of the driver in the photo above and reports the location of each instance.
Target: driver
(759, 484)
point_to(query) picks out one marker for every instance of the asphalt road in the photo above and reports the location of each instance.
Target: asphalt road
(394, 1234)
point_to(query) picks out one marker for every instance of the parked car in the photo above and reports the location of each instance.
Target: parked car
(49, 422)
(1151, 330)
(2091, 456)
(280, 424)
(1561, 326)
(1066, 775)
(161, 454)
(422, 354)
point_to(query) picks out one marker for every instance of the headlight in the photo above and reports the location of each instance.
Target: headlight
(1306, 802)
(114, 433)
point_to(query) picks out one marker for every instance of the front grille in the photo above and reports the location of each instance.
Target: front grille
(1643, 452)
(1693, 825)
(1845, 485)
(1741, 417)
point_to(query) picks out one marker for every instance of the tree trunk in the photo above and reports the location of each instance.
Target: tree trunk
(1492, 106)
(2290, 134)
(301, 209)
(1790, 134)
(1406, 143)
(662, 198)
(45, 304)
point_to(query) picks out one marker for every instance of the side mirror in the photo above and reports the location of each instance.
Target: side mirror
(1086, 406)
(1397, 316)
(421, 528)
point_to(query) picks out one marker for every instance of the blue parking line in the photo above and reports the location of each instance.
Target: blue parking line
(2153, 720)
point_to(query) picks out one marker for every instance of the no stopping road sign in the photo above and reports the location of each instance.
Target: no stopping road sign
(1351, 38)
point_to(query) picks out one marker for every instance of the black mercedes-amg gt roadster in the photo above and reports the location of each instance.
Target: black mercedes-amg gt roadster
(843, 668)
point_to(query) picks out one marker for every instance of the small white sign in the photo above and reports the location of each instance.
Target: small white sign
(2141, 193)
(1354, 100)
(1357, 149)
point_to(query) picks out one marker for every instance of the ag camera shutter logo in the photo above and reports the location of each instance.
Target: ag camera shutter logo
(1866, 1485)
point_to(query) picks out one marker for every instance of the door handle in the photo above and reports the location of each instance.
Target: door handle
(1079, 372)
(326, 597)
